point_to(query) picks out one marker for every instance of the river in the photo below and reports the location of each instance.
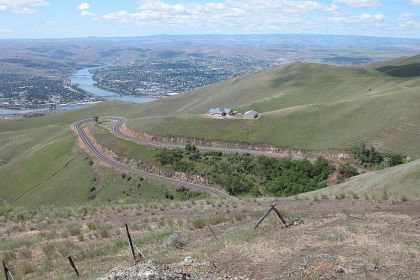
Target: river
(84, 79)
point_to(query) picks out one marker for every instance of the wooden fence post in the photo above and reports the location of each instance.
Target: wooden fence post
(130, 244)
(282, 220)
(73, 265)
(262, 219)
(6, 271)
(212, 232)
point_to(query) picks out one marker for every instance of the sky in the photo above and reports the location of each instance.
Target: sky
(125, 18)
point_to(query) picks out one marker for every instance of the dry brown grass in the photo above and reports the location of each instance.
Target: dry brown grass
(348, 238)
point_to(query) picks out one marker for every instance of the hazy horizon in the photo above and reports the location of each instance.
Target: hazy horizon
(50, 19)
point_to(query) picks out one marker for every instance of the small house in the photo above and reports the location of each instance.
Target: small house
(221, 111)
(217, 111)
(250, 115)
(228, 111)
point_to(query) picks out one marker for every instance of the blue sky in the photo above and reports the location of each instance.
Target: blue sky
(117, 18)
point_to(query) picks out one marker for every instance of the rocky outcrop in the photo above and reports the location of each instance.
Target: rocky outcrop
(189, 269)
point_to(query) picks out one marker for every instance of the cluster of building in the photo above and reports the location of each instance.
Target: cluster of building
(162, 76)
(223, 112)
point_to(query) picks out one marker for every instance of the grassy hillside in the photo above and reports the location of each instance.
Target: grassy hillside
(305, 106)
(400, 182)
(41, 163)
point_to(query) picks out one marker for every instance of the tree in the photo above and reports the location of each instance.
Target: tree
(395, 159)
(166, 156)
(347, 170)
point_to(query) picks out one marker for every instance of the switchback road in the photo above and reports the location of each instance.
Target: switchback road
(119, 122)
(78, 128)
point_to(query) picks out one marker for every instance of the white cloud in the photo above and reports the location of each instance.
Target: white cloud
(83, 6)
(377, 17)
(415, 2)
(2, 30)
(84, 11)
(87, 14)
(361, 3)
(409, 21)
(245, 15)
(22, 6)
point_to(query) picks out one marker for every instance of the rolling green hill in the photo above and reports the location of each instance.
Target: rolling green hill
(400, 182)
(41, 163)
(304, 106)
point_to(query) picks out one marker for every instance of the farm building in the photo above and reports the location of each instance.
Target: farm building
(250, 115)
(221, 111)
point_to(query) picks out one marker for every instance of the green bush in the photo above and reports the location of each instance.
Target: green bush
(347, 170)
(395, 159)
(166, 156)
(241, 174)
(367, 155)
(199, 223)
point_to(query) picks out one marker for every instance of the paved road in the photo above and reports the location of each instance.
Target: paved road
(119, 122)
(78, 127)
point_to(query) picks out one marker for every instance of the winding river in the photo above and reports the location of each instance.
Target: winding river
(84, 79)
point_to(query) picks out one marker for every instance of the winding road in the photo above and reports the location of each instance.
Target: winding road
(78, 128)
(118, 123)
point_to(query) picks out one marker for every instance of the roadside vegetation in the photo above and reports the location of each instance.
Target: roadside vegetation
(247, 174)
(238, 174)
(371, 158)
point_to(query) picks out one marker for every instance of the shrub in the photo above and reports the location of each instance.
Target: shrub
(395, 159)
(175, 241)
(183, 166)
(367, 155)
(104, 231)
(91, 226)
(385, 196)
(166, 156)
(347, 170)
(25, 268)
(74, 229)
(199, 223)
(340, 196)
(26, 253)
(48, 249)
(191, 148)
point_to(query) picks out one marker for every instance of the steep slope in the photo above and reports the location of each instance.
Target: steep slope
(399, 182)
(42, 164)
